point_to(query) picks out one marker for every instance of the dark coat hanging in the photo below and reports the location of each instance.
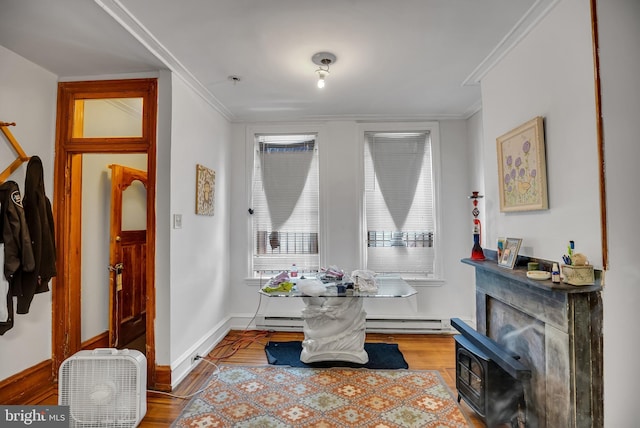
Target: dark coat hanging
(18, 254)
(39, 217)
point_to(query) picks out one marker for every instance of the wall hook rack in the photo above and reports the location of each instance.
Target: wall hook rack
(22, 156)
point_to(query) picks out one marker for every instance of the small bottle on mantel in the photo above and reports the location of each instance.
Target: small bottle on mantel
(555, 273)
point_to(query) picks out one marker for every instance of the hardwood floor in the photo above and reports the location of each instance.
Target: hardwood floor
(422, 352)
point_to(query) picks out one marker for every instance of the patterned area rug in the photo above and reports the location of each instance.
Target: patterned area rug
(277, 396)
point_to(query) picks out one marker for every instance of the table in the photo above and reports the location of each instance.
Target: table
(334, 322)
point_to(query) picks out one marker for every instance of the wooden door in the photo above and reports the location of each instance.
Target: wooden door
(127, 264)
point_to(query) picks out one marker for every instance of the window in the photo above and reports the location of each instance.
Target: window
(399, 204)
(285, 196)
(108, 118)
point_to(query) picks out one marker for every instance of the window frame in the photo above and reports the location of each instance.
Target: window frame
(282, 129)
(434, 131)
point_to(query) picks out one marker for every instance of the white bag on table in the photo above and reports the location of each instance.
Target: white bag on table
(364, 280)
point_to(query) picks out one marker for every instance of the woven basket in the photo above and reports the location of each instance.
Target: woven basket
(578, 275)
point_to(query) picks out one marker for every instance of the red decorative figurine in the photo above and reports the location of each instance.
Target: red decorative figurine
(476, 251)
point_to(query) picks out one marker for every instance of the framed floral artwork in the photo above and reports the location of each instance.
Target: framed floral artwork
(522, 171)
(205, 188)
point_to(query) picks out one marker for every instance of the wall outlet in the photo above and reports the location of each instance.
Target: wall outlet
(194, 358)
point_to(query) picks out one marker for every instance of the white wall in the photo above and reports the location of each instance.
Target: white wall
(340, 157)
(199, 251)
(28, 97)
(549, 74)
(476, 143)
(619, 61)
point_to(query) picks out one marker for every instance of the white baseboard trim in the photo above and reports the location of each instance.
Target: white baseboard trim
(183, 365)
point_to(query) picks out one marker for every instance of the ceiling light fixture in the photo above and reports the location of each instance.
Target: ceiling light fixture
(324, 60)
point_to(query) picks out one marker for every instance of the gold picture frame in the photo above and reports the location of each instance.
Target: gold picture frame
(510, 253)
(522, 170)
(205, 190)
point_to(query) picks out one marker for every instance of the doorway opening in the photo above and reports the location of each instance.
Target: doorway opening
(105, 150)
(127, 257)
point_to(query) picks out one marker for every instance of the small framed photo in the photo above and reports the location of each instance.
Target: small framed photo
(510, 253)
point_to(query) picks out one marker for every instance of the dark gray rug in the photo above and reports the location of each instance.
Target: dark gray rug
(381, 356)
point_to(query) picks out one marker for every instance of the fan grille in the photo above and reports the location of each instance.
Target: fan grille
(102, 392)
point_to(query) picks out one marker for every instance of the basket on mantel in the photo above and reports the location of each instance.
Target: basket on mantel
(578, 275)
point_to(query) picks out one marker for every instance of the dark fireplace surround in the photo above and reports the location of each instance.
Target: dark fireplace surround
(556, 329)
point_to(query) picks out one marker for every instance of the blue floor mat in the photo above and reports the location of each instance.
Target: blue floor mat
(381, 356)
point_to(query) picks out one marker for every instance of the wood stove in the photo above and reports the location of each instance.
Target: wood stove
(489, 378)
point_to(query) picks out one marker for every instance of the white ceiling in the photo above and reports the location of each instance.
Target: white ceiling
(396, 59)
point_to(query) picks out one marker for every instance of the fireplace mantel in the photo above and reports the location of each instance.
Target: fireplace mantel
(557, 331)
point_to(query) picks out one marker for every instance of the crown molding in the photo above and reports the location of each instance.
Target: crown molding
(353, 118)
(472, 109)
(534, 15)
(131, 24)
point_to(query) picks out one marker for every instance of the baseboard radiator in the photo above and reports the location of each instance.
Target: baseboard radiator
(374, 325)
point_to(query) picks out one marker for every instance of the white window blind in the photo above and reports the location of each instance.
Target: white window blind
(285, 203)
(399, 203)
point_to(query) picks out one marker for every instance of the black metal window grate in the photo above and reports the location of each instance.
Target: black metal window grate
(399, 239)
(286, 242)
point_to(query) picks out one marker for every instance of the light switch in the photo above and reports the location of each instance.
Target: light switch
(177, 221)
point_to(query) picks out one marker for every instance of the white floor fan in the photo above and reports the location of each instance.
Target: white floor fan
(104, 387)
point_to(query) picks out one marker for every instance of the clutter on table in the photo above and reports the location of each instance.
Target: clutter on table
(280, 282)
(331, 274)
(361, 280)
